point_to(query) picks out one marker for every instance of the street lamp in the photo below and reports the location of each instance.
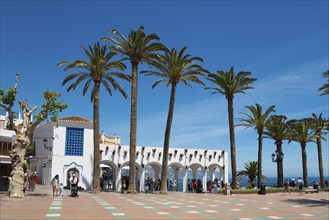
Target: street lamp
(277, 155)
(45, 145)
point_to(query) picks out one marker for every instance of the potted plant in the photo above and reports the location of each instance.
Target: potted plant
(113, 152)
(160, 154)
(186, 150)
(143, 148)
(181, 155)
(148, 153)
(137, 152)
(153, 150)
(210, 157)
(119, 147)
(195, 152)
(200, 156)
(107, 147)
(191, 155)
(170, 154)
(205, 152)
(175, 152)
(215, 153)
(100, 151)
(125, 152)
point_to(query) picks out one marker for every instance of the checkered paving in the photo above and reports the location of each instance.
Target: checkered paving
(175, 205)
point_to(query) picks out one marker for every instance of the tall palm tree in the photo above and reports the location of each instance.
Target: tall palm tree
(99, 70)
(174, 67)
(257, 119)
(302, 132)
(137, 48)
(250, 171)
(325, 88)
(320, 124)
(229, 84)
(278, 130)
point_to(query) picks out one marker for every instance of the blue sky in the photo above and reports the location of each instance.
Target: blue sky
(284, 44)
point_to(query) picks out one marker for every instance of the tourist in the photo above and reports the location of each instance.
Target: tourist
(300, 184)
(123, 185)
(55, 185)
(286, 187)
(35, 179)
(31, 182)
(316, 186)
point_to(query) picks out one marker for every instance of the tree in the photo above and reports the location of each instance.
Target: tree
(325, 88)
(99, 70)
(250, 171)
(174, 67)
(24, 132)
(229, 84)
(278, 130)
(258, 120)
(302, 132)
(137, 48)
(319, 125)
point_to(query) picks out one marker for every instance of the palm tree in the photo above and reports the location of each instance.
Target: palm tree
(250, 171)
(258, 120)
(320, 124)
(229, 84)
(278, 130)
(137, 48)
(174, 67)
(302, 132)
(325, 88)
(98, 69)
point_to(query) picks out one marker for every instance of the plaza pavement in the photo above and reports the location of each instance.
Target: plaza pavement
(40, 204)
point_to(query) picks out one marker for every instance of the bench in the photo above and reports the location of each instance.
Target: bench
(310, 190)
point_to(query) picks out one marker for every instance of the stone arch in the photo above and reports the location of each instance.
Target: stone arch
(69, 173)
(108, 172)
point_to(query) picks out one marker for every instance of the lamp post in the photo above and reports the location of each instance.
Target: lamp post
(277, 157)
(45, 145)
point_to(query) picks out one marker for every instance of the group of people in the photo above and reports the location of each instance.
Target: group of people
(152, 184)
(30, 180)
(58, 187)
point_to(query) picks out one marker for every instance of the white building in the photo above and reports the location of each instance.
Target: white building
(67, 146)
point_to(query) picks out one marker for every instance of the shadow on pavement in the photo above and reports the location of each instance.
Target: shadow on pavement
(310, 202)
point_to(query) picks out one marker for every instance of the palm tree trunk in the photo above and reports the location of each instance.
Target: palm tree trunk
(304, 160)
(279, 164)
(96, 173)
(232, 140)
(319, 145)
(133, 130)
(260, 154)
(164, 172)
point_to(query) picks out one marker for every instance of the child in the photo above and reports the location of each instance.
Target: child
(60, 189)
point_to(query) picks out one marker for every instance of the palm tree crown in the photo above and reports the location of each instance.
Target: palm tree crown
(97, 69)
(175, 67)
(138, 47)
(325, 88)
(228, 83)
(250, 171)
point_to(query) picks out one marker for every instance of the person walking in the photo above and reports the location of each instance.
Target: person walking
(286, 187)
(55, 185)
(300, 184)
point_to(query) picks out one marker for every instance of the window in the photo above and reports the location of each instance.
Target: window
(74, 141)
(5, 148)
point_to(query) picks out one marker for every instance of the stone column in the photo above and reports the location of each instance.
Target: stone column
(142, 180)
(118, 180)
(204, 180)
(185, 180)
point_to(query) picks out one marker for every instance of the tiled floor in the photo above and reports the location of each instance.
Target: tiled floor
(109, 205)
